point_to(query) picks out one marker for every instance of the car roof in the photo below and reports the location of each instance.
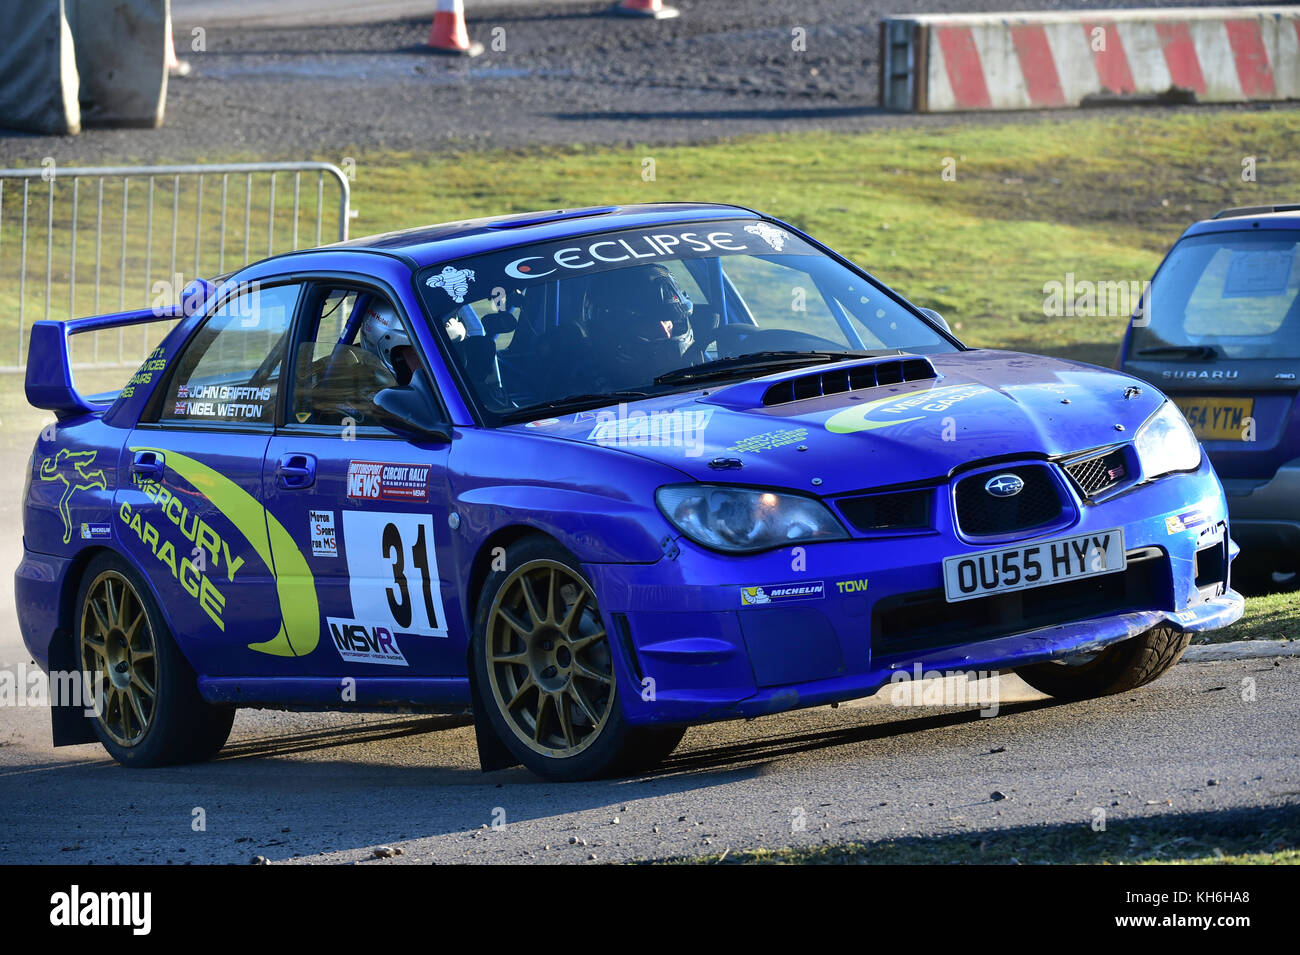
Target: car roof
(426, 245)
(1248, 217)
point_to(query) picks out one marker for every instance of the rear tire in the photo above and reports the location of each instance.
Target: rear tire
(151, 713)
(1115, 669)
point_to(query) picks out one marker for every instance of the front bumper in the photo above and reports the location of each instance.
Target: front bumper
(698, 653)
(1266, 516)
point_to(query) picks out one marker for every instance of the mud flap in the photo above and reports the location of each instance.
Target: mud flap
(492, 753)
(71, 725)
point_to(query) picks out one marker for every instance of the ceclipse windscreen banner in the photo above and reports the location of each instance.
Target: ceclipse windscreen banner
(474, 278)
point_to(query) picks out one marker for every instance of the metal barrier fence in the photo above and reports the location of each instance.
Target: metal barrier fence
(103, 235)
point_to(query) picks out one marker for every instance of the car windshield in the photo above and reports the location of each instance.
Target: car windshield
(599, 318)
(1228, 294)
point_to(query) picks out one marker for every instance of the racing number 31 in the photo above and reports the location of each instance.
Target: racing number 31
(399, 594)
(393, 572)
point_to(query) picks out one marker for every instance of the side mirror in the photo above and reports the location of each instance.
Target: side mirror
(410, 410)
(936, 318)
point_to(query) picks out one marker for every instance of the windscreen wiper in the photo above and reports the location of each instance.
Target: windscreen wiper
(759, 361)
(1189, 351)
(568, 403)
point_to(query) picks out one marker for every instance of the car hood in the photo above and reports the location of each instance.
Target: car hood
(982, 404)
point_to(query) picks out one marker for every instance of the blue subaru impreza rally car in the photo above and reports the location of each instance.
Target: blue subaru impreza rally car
(593, 476)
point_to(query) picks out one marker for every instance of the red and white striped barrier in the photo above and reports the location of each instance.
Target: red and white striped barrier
(448, 33)
(945, 63)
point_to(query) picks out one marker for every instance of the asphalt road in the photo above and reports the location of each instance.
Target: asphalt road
(561, 73)
(331, 788)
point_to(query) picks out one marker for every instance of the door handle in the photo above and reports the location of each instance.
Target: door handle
(296, 471)
(147, 465)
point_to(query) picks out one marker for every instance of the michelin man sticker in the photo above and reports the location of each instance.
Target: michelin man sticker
(455, 282)
(769, 234)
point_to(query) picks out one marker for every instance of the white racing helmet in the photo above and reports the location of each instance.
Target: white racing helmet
(382, 332)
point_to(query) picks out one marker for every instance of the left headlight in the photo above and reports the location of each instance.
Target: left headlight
(741, 520)
(1165, 443)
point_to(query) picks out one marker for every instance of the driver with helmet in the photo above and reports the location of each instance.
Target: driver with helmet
(638, 322)
(385, 337)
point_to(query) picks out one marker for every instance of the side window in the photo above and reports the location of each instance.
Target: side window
(229, 372)
(354, 345)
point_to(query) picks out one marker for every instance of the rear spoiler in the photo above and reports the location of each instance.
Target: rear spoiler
(49, 358)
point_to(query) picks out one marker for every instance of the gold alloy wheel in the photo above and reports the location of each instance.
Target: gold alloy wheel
(548, 659)
(119, 655)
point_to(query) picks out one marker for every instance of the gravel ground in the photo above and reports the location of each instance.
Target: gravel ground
(332, 787)
(566, 75)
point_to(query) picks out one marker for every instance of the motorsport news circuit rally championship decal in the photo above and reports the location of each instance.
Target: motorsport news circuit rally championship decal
(377, 481)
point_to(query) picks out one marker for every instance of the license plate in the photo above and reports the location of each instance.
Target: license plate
(1217, 419)
(1033, 565)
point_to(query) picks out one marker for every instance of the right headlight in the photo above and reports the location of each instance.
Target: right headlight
(1166, 443)
(743, 520)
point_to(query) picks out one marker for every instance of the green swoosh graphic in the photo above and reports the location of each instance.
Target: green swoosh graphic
(851, 420)
(294, 583)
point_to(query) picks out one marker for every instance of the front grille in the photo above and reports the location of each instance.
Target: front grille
(981, 514)
(1100, 473)
(894, 511)
(925, 620)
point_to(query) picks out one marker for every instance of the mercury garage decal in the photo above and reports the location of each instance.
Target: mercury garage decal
(294, 584)
(381, 481)
(782, 593)
(885, 412)
(393, 574)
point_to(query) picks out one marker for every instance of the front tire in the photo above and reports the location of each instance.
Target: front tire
(149, 710)
(544, 667)
(1115, 669)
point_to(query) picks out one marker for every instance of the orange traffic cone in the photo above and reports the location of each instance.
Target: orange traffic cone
(448, 34)
(650, 9)
(175, 67)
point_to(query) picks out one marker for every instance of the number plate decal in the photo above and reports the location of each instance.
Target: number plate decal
(1035, 564)
(1217, 419)
(393, 572)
